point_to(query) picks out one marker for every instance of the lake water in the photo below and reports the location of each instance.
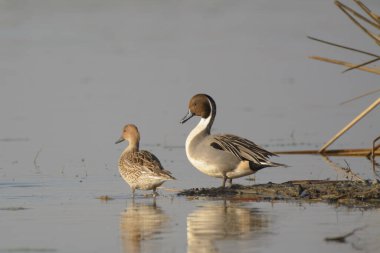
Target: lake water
(72, 73)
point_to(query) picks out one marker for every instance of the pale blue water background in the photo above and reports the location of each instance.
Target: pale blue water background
(72, 73)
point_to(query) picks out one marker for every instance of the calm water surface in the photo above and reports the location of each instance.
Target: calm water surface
(72, 73)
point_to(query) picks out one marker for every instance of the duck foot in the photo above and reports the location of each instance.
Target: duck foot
(151, 195)
(155, 193)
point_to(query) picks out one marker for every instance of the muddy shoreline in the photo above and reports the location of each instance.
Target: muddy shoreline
(347, 193)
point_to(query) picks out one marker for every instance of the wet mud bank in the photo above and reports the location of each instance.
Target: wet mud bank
(347, 193)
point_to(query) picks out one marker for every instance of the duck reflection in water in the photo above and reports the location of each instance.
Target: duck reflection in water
(140, 223)
(221, 221)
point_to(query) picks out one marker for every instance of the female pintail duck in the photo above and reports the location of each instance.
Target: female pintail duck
(221, 155)
(139, 168)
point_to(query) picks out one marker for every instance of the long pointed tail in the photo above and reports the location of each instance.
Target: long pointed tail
(273, 164)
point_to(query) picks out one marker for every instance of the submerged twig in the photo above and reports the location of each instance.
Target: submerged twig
(342, 238)
(105, 198)
(36, 166)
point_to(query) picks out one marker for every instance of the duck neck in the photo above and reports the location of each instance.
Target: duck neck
(211, 117)
(133, 146)
(204, 125)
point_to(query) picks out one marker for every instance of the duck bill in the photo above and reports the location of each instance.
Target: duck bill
(119, 140)
(188, 116)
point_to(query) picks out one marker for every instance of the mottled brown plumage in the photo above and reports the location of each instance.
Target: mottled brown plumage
(140, 168)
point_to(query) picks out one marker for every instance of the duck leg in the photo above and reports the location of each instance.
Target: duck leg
(133, 192)
(230, 182)
(224, 182)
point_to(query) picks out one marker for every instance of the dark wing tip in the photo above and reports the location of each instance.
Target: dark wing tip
(216, 146)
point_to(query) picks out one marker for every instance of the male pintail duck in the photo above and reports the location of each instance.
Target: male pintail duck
(221, 155)
(139, 168)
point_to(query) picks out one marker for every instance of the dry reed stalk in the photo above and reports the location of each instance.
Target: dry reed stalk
(355, 17)
(347, 172)
(360, 96)
(349, 125)
(332, 152)
(358, 19)
(362, 64)
(347, 64)
(370, 13)
(342, 46)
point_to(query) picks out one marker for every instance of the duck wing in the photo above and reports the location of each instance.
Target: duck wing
(147, 163)
(241, 148)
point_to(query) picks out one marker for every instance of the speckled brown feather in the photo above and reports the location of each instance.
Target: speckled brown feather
(134, 164)
(140, 169)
